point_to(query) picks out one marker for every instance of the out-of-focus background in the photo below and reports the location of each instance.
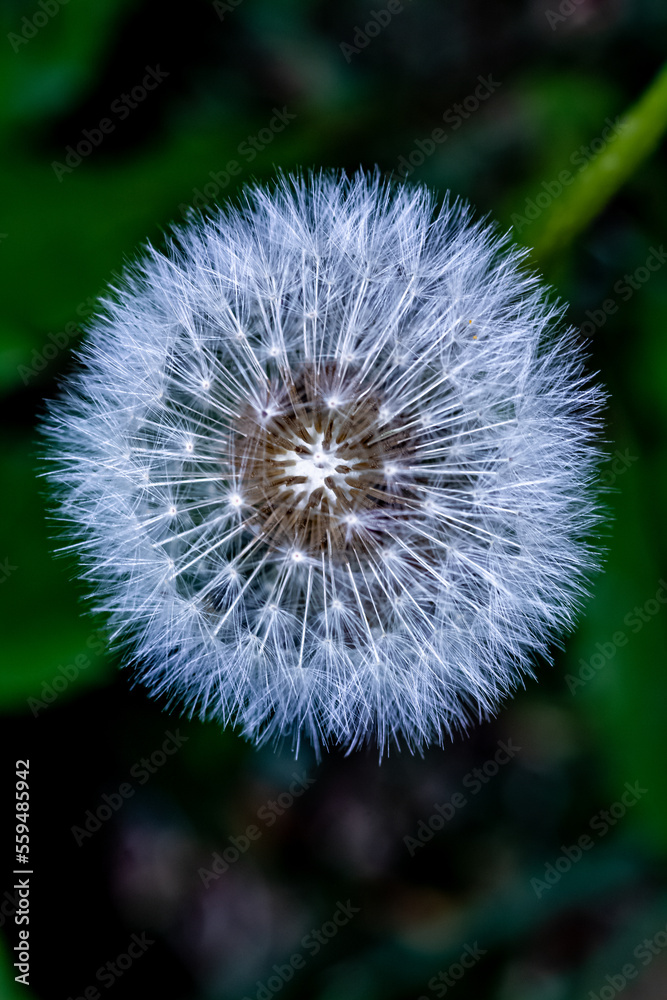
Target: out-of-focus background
(172, 859)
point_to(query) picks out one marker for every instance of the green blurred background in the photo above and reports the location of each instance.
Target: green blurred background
(354, 84)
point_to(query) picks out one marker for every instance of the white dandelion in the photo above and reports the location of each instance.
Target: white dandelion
(330, 465)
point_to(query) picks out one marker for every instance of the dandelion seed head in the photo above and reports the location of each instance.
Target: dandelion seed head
(330, 464)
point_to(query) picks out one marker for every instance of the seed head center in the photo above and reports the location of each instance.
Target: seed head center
(316, 457)
(314, 467)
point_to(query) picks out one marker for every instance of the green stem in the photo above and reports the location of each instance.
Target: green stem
(642, 126)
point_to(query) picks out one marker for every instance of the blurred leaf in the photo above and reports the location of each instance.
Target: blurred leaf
(43, 69)
(82, 228)
(572, 210)
(47, 636)
(621, 699)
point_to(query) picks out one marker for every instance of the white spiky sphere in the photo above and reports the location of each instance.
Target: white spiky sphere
(330, 464)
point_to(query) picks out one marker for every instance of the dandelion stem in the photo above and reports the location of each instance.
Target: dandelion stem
(569, 215)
